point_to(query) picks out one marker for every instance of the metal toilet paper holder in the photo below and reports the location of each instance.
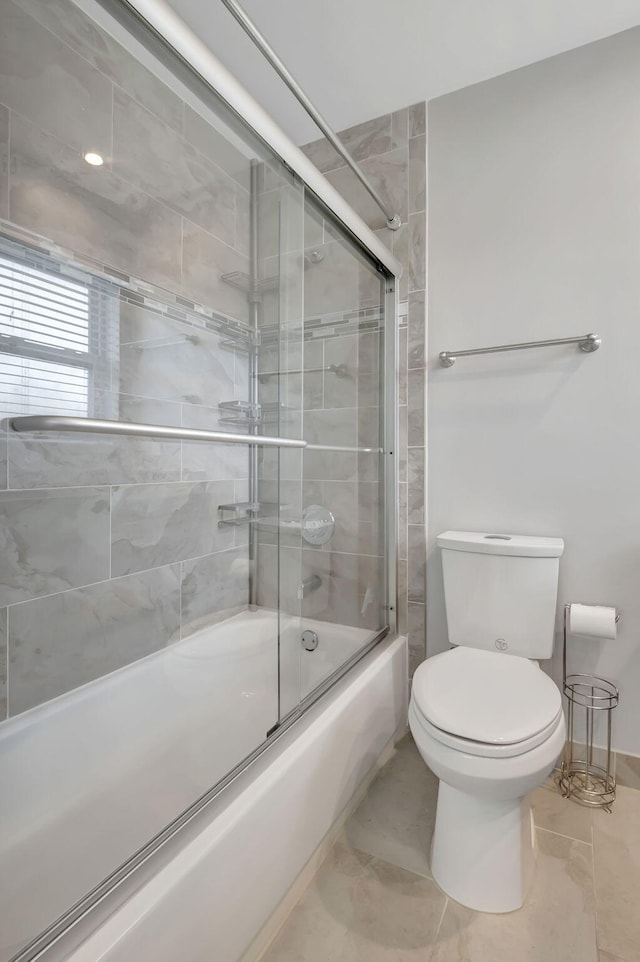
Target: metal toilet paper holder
(580, 778)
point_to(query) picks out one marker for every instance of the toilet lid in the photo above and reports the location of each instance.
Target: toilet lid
(493, 698)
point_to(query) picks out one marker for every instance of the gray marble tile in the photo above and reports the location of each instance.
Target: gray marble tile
(373, 137)
(356, 596)
(151, 155)
(334, 283)
(3, 663)
(52, 541)
(3, 457)
(313, 383)
(402, 441)
(361, 909)
(314, 228)
(96, 46)
(628, 770)
(202, 461)
(417, 174)
(403, 608)
(47, 82)
(330, 465)
(214, 145)
(65, 640)
(417, 252)
(416, 408)
(370, 430)
(402, 520)
(417, 636)
(402, 366)
(204, 260)
(59, 460)
(396, 818)
(417, 119)
(400, 126)
(388, 172)
(4, 162)
(356, 509)
(89, 209)
(556, 814)
(158, 524)
(416, 327)
(176, 363)
(214, 588)
(369, 361)
(556, 923)
(337, 426)
(416, 492)
(616, 851)
(341, 392)
(400, 247)
(417, 562)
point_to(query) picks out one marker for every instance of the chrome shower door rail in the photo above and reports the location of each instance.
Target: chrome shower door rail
(54, 422)
(393, 219)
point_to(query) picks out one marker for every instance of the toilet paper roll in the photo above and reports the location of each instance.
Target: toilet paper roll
(598, 621)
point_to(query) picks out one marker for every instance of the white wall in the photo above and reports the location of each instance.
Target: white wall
(534, 232)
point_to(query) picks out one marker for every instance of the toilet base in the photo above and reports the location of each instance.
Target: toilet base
(483, 850)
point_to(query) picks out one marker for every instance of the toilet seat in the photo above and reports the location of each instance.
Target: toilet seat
(485, 703)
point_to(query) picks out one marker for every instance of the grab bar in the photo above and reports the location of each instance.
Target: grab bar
(53, 422)
(586, 342)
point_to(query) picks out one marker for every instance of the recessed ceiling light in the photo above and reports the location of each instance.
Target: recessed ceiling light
(94, 159)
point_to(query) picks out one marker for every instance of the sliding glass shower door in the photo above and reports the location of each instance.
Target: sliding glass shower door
(168, 601)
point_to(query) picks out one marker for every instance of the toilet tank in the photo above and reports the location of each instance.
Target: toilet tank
(501, 591)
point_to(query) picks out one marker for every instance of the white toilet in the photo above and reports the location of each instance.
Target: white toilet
(485, 718)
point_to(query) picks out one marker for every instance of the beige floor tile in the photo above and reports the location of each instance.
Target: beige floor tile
(556, 924)
(616, 848)
(361, 909)
(607, 957)
(561, 815)
(628, 770)
(395, 820)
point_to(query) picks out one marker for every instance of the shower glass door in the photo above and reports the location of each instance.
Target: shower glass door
(167, 604)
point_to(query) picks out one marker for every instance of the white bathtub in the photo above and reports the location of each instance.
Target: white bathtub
(91, 776)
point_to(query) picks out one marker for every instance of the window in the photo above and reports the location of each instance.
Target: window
(51, 333)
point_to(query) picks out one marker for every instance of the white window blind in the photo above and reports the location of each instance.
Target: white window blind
(50, 342)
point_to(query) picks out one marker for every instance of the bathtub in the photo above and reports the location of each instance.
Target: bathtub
(91, 776)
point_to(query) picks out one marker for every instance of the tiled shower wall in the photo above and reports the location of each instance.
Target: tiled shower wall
(110, 547)
(392, 152)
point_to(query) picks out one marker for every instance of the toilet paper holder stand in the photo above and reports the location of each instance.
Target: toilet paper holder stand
(586, 772)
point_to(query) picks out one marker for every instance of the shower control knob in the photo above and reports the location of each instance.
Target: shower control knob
(317, 524)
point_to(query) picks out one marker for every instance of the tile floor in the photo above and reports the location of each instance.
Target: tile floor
(373, 899)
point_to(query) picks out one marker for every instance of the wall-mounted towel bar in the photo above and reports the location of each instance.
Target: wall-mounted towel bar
(52, 422)
(586, 342)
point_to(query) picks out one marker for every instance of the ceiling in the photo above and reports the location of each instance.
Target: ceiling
(357, 59)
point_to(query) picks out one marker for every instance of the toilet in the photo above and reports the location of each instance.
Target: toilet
(484, 716)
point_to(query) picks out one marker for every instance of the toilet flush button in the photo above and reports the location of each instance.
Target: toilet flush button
(501, 644)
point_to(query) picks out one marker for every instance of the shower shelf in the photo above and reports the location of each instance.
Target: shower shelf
(244, 512)
(252, 415)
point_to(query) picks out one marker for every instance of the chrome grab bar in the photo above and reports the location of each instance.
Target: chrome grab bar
(587, 343)
(54, 422)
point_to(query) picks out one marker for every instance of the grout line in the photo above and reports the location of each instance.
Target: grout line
(569, 838)
(437, 935)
